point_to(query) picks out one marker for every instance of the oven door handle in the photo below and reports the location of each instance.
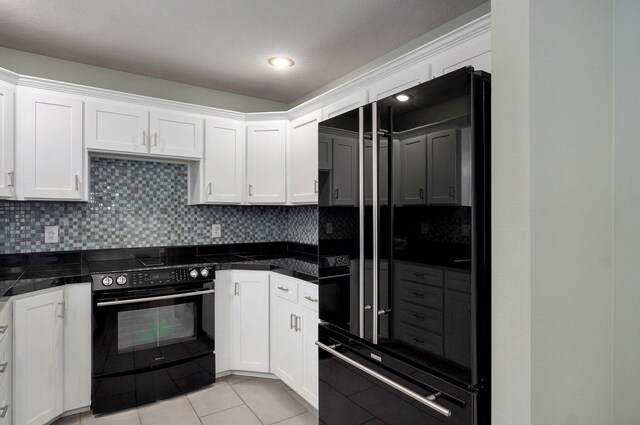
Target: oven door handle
(158, 298)
(423, 400)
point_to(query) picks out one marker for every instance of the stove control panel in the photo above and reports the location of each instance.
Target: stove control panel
(137, 278)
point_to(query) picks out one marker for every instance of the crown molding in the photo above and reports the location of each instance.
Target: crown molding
(458, 36)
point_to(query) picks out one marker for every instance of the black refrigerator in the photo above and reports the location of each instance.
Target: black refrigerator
(404, 254)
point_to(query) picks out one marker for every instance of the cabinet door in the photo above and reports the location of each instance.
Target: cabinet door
(7, 165)
(309, 381)
(443, 152)
(325, 153)
(401, 80)
(51, 149)
(303, 163)
(116, 128)
(176, 135)
(77, 346)
(286, 340)
(345, 171)
(266, 162)
(250, 321)
(457, 318)
(38, 368)
(224, 161)
(383, 171)
(413, 152)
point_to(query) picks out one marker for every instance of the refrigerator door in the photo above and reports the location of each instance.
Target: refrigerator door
(360, 385)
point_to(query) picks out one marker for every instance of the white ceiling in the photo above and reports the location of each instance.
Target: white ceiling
(224, 44)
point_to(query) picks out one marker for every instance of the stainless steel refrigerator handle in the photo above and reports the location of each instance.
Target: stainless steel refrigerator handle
(161, 297)
(361, 213)
(374, 190)
(406, 391)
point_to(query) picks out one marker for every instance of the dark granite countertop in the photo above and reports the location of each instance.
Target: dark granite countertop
(20, 276)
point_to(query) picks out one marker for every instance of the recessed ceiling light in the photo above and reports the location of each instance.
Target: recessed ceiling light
(281, 62)
(402, 97)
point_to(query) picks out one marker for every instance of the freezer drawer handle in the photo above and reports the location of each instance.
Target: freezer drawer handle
(423, 400)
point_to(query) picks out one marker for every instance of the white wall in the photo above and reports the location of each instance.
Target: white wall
(626, 213)
(552, 162)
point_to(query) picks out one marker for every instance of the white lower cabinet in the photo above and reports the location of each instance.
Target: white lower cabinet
(6, 364)
(53, 346)
(39, 342)
(294, 331)
(250, 321)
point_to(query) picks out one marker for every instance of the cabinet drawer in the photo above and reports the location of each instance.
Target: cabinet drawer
(420, 274)
(284, 288)
(6, 322)
(309, 298)
(421, 317)
(6, 409)
(459, 282)
(423, 295)
(421, 339)
(5, 364)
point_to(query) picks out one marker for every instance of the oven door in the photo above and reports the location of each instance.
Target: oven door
(145, 329)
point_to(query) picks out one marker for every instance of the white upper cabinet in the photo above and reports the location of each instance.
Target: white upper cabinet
(345, 171)
(116, 127)
(400, 80)
(50, 148)
(224, 161)
(266, 161)
(303, 163)
(413, 152)
(7, 139)
(176, 135)
(346, 104)
(475, 52)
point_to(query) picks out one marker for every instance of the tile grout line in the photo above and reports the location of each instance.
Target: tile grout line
(192, 408)
(245, 403)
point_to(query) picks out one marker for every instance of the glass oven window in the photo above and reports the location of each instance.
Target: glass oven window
(156, 326)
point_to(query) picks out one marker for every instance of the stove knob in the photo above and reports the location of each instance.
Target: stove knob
(204, 272)
(107, 281)
(193, 273)
(121, 280)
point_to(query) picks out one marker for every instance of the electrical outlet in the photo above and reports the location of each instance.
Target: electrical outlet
(424, 228)
(216, 230)
(465, 230)
(51, 234)
(329, 228)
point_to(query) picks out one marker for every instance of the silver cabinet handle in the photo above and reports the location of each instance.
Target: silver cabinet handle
(155, 139)
(315, 186)
(3, 366)
(3, 328)
(12, 179)
(313, 300)
(406, 391)
(4, 410)
(282, 288)
(336, 193)
(382, 312)
(77, 182)
(144, 137)
(250, 190)
(291, 316)
(236, 288)
(298, 319)
(61, 309)
(158, 298)
(422, 194)
(209, 188)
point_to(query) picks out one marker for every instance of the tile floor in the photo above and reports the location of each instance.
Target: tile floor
(232, 400)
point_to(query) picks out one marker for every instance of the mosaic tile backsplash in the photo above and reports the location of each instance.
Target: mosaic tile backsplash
(141, 204)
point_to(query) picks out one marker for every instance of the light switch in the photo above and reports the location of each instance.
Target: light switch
(51, 234)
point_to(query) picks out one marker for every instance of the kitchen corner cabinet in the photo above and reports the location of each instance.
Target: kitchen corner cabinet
(7, 142)
(250, 321)
(303, 159)
(122, 128)
(413, 153)
(39, 330)
(266, 161)
(50, 148)
(294, 331)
